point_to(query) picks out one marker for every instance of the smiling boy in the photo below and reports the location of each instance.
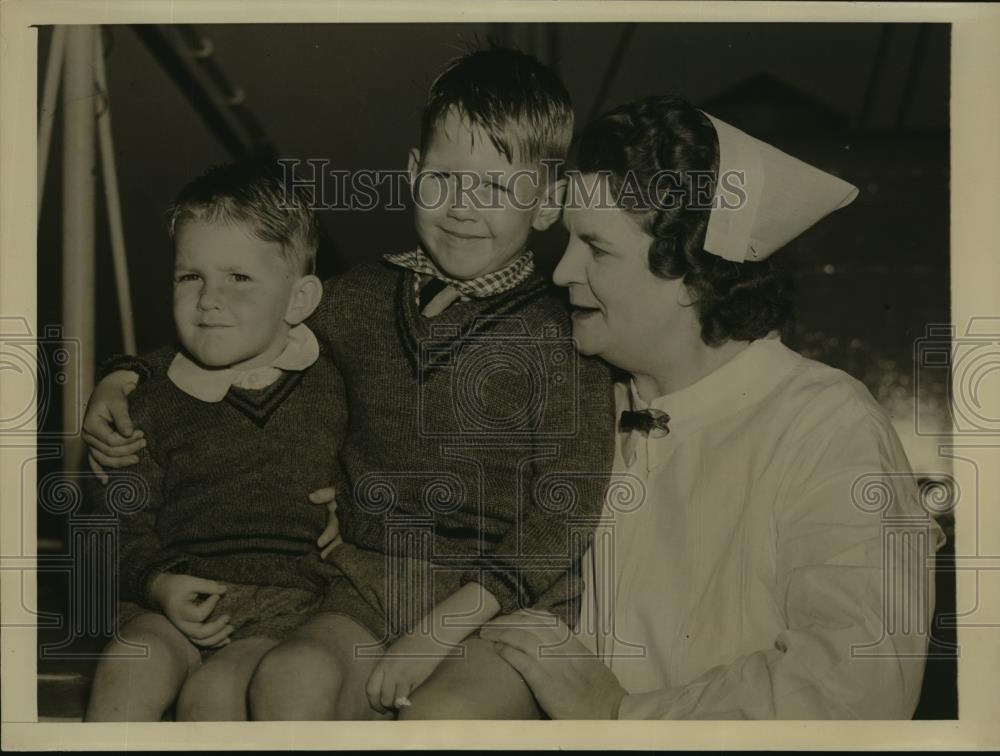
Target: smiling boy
(479, 447)
(213, 549)
(490, 413)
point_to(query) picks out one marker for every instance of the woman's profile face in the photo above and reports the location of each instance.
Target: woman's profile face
(620, 310)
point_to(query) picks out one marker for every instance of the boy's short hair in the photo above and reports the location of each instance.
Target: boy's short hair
(254, 192)
(519, 102)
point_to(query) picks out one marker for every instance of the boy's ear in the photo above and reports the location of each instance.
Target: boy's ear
(413, 165)
(306, 294)
(551, 206)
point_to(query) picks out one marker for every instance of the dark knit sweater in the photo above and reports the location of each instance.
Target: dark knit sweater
(482, 424)
(228, 481)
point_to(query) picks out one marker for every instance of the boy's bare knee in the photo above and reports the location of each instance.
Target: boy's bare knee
(477, 685)
(298, 663)
(190, 704)
(217, 691)
(150, 651)
(442, 702)
(154, 635)
(204, 697)
(146, 625)
(297, 679)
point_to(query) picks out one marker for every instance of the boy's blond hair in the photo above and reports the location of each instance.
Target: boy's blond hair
(256, 193)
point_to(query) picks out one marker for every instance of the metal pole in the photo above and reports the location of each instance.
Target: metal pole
(112, 198)
(78, 224)
(182, 65)
(878, 64)
(912, 75)
(46, 117)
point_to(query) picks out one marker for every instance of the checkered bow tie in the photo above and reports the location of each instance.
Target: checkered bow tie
(650, 421)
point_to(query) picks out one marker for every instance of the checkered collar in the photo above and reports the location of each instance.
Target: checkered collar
(484, 286)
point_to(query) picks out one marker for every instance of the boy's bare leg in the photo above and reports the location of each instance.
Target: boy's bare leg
(217, 691)
(315, 674)
(130, 689)
(476, 685)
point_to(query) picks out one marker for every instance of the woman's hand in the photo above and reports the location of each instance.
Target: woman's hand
(330, 537)
(178, 598)
(107, 427)
(568, 681)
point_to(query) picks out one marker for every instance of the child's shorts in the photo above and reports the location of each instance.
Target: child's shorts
(389, 595)
(254, 610)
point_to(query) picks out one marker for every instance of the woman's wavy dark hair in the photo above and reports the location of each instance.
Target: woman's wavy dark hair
(653, 137)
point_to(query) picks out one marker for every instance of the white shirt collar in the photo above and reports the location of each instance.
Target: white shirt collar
(207, 385)
(742, 382)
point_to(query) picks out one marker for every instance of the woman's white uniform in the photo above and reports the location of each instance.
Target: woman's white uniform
(769, 557)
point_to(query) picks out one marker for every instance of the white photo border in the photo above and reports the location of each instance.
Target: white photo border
(975, 276)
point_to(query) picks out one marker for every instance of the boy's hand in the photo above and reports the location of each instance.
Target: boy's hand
(107, 427)
(330, 537)
(178, 596)
(403, 669)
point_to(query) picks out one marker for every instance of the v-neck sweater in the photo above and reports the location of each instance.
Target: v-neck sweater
(217, 493)
(482, 426)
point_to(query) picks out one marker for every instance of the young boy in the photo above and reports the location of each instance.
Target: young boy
(214, 561)
(478, 444)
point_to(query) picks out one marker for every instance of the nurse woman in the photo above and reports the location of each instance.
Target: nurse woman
(763, 553)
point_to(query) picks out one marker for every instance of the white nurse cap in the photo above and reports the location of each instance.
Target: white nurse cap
(784, 197)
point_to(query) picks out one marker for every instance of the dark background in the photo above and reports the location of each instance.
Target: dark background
(869, 102)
